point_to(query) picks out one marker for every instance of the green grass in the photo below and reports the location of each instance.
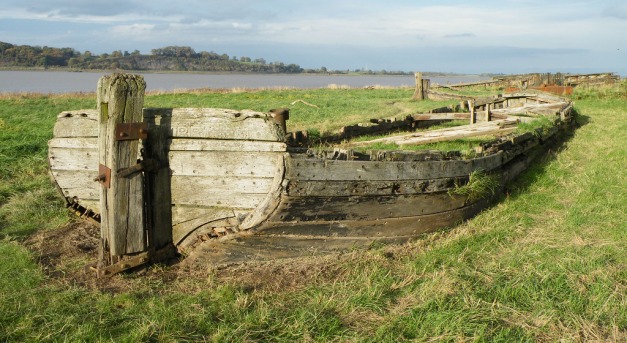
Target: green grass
(547, 263)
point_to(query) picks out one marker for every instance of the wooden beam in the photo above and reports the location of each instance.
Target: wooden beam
(120, 100)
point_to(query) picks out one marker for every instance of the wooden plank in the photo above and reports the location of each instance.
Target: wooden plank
(215, 163)
(73, 159)
(219, 191)
(497, 127)
(273, 196)
(368, 187)
(385, 228)
(467, 133)
(74, 143)
(182, 144)
(81, 123)
(181, 230)
(221, 184)
(183, 213)
(529, 109)
(325, 170)
(364, 207)
(120, 100)
(78, 183)
(441, 116)
(216, 123)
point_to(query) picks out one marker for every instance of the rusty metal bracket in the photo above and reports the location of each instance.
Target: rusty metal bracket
(131, 131)
(148, 165)
(104, 176)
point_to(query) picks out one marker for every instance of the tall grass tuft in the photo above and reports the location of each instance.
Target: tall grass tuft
(480, 185)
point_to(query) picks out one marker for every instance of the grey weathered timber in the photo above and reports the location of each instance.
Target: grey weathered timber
(364, 207)
(366, 187)
(214, 123)
(182, 144)
(73, 159)
(120, 100)
(78, 184)
(215, 163)
(497, 127)
(419, 93)
(389, 227)
(81, 123)
(329, 170)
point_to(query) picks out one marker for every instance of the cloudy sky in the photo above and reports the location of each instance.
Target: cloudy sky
(509, 36)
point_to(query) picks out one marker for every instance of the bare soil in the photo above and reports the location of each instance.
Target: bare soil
(65, 254)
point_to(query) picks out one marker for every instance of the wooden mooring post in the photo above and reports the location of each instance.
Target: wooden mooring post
(422, 87)
(127, 219)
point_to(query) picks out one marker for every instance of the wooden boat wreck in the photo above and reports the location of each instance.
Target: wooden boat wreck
(235, 186)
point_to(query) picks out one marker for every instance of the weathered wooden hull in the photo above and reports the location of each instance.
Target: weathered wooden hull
(232, 176)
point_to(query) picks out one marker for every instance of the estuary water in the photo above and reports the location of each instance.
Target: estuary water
(67, 82)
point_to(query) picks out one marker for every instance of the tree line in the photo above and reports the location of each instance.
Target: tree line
(169, 58)
(174, 58)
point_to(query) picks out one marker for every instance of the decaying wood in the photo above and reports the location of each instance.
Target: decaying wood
(419, 93)
(533, 108)
(331, 208)
(359, 188)
(81, 123)
(181, 144)
(273, 197)
(329, 170)
(215, 163)
(390, 227)
(497, 127)
(120, 100)
(213, 123)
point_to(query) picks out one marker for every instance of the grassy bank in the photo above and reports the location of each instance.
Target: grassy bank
(547, 263)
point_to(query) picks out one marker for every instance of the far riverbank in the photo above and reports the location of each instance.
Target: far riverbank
(28, 81)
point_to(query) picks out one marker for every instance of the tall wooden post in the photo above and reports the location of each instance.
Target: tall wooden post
(419, 92)
(473, 115)
(120, 101)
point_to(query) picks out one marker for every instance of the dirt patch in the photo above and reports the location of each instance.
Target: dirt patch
(60, 252)
(65, 252)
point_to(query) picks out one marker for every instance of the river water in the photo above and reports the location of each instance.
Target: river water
(66, 82)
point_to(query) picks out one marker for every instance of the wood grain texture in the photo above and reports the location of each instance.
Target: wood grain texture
(81, 123)
(216, 163)
(367, 187)
(384, 228)
(329, 170)
(120, 100)
(216, 123)
(364, 207)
